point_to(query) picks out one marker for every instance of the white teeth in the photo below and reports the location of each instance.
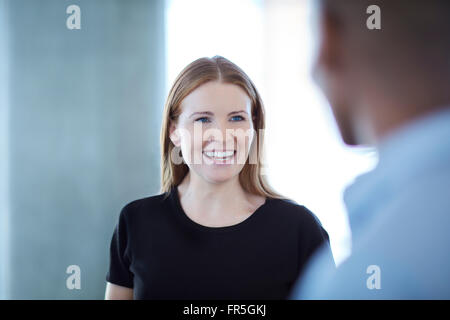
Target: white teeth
(219, 154)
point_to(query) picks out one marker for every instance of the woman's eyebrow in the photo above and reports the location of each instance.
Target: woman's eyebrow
(211, 113)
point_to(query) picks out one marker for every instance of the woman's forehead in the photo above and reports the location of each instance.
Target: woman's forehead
(216, 97)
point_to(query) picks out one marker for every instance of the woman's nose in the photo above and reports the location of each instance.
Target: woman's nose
(223, 136)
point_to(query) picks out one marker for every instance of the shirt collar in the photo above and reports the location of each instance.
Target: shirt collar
(409, 151)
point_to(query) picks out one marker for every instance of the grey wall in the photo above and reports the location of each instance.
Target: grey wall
(4, 160)
(85, 110)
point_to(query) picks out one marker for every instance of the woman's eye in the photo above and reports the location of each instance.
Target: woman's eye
(203, 118)
(240, 118)
(206, 119)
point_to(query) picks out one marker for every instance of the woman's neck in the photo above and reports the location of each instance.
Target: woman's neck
(213, 200)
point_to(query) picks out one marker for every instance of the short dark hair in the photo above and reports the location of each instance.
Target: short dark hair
(416, 30)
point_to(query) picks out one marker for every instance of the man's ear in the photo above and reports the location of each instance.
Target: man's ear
(174, 135)
(330, 40)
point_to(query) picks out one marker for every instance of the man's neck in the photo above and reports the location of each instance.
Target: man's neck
(384, 121)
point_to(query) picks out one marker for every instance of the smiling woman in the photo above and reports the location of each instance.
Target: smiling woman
(217, 230)
(222, 128)
(231, 111)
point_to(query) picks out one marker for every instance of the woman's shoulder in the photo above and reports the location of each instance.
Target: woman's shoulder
(144, 206)
(294, 211)
(301, 218)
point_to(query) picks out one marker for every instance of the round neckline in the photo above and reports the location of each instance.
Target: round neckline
(174, 195)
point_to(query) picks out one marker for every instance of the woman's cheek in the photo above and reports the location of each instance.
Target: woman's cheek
(242, 149)
(186, 145)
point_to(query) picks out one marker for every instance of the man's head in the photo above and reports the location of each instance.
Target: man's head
(377, 80)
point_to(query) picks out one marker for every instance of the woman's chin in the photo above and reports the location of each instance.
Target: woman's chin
(219, 177)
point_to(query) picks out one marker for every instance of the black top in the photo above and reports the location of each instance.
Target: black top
(163, 254)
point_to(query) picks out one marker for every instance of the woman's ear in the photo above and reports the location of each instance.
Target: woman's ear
(173, 134)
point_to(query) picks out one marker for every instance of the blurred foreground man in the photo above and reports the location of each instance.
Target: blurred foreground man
(389, 87)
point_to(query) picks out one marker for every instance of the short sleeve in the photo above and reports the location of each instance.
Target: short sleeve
(119, 266)
(318, 239)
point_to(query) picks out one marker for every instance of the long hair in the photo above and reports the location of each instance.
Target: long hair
(191, 77)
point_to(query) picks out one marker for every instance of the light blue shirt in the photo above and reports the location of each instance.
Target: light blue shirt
(400, 219)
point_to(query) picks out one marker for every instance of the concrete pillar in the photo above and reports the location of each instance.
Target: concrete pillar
(85, 110)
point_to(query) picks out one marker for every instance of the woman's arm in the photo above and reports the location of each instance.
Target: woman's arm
(115, 292)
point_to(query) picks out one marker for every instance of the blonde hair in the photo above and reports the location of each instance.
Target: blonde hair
(191, 77)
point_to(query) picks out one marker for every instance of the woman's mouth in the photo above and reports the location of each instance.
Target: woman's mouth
(219, 157)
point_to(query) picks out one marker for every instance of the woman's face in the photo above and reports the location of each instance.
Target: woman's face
(215, 130)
